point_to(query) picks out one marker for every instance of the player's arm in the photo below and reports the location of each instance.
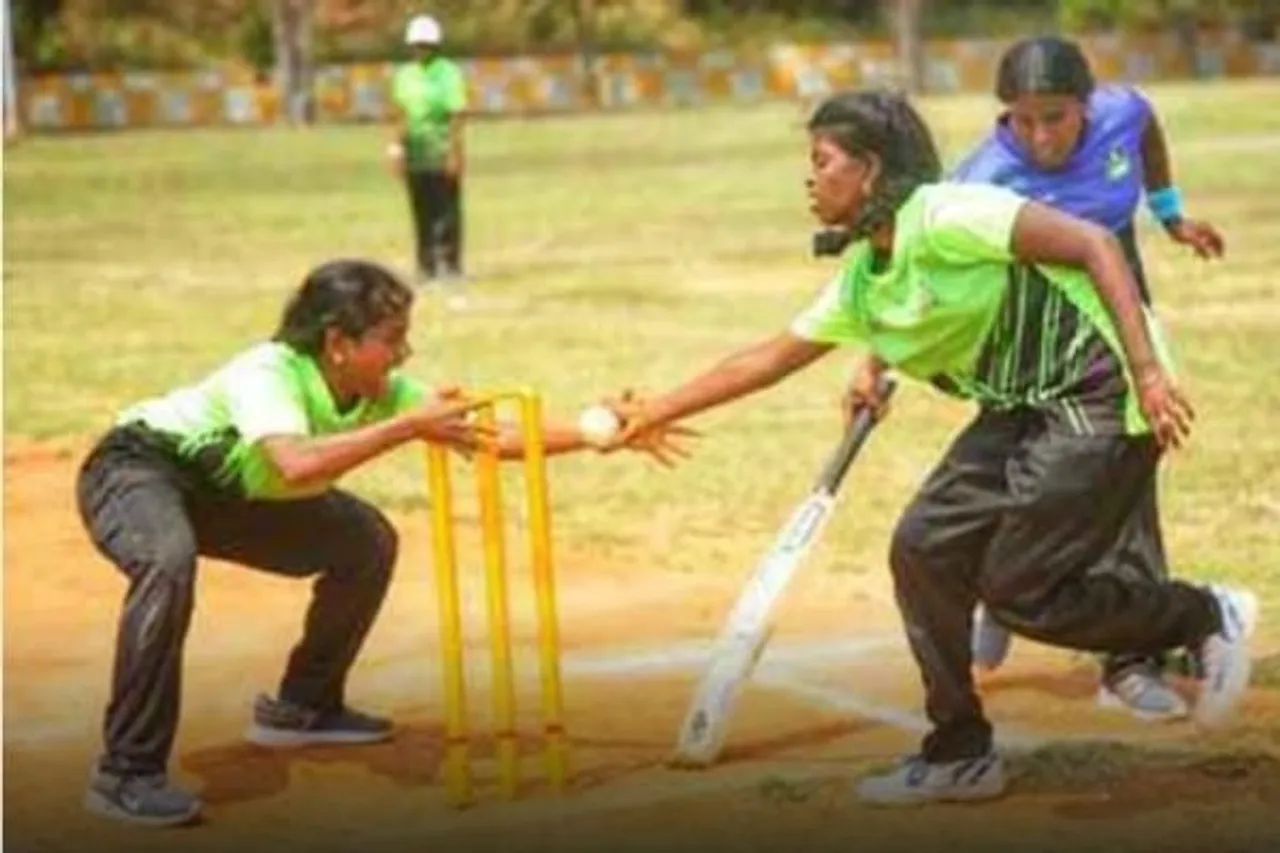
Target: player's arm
(397, 128)
(560, 437)
(266, 408)
(1164, 199)
(750, 369)
(1043, 235)
(456, 161)
(304, 460)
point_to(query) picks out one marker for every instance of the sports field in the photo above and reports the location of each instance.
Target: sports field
(606, 252)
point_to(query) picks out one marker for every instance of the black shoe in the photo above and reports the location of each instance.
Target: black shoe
(280, 723)
(144, 800)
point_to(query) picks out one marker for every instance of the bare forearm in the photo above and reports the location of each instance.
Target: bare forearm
(1157, 172)
(557, 438)
(1113, 280)
(1043, 235)
(742, 373)
(305, 460)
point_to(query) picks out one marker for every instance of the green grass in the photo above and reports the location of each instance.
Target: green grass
(613, 251)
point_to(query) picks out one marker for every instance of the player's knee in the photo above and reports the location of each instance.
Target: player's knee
(169, 556)
(378, 547)
(1012, 604)
(910, 549)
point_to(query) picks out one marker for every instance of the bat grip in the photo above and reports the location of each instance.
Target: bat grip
(863, 422)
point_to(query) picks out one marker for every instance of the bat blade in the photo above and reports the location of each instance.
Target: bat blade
(745, 636)
(746, 633)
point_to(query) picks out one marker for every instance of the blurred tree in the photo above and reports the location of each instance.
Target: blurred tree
(292, 27)
(35, 32)
(1184, 17)
(584, 19)
(906, 16)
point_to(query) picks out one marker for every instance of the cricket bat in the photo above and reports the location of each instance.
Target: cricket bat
(743, 638)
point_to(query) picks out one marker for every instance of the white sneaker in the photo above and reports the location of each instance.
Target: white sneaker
(916, 781)
(1143, 694)
(1225, 657)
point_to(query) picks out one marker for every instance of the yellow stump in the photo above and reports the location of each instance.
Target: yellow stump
(457, 771)
(492, 534)
(539, 526)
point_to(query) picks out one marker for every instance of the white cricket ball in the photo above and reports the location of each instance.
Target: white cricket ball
(598, 425)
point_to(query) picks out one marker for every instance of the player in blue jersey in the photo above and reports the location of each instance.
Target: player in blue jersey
(1092, 151)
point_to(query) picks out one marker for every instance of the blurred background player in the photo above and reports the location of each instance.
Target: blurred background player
(429, 100)
(1092, 151)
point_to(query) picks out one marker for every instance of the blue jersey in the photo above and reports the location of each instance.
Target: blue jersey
(1100, 182)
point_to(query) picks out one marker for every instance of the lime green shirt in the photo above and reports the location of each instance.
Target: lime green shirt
(429, 94)
(953, 307)
(268, 390)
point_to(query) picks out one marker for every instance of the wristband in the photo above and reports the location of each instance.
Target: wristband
(1165, 204)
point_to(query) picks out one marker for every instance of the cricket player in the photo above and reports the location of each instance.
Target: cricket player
(955, 285)
(241, 467)
(1094, 152)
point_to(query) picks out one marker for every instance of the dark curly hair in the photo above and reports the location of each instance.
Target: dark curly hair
(351, 295)
(883, 124)
(1046, 65)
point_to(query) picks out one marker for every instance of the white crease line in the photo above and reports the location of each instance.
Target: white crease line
(851, 703)
(683, 657)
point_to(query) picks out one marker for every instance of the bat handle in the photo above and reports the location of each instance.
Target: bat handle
(838, 465)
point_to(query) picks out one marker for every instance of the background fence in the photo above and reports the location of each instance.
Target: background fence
(532, 84)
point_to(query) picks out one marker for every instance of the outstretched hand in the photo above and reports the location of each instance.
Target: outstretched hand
(659, 440)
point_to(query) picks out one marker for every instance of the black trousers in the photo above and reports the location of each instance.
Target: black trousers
(435, 198)
(152, 517)
(1037, 524)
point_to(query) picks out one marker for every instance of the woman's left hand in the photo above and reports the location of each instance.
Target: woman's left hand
(1166, 408)
(1202, 237)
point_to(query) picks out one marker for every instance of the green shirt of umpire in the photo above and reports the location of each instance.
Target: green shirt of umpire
(429, 93)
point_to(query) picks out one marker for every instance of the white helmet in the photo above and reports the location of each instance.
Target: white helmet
(422, 29)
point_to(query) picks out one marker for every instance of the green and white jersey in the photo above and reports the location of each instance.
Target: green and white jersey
(429, 94)
(953, 307)
(270, 389)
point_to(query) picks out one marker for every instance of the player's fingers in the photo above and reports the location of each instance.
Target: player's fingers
(1183, 404)
(656, 454)
(675, 449)
(688, 432)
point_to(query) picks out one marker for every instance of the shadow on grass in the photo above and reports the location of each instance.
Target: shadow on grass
(1266, 672)
(1110, 780)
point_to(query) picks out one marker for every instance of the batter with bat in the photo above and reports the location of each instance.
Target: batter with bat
(948, 284)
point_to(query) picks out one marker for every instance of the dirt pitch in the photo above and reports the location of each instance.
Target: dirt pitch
(836, 696)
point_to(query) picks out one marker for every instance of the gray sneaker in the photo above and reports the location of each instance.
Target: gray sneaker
(1225, 657)
(280, 723)
(147, 800)
(916, 781)
(1143, 694)
(990, 642)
